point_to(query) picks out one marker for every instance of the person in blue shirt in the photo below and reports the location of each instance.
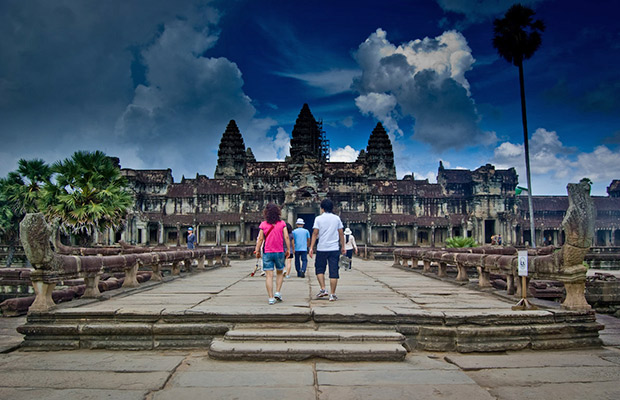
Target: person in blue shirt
(301, 236)
(191, 238)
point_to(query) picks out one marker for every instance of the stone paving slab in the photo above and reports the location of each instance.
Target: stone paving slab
(239, 393)
(69, 394)
(530, 359)
(576, 390)
(528, 376)
(35, 378)
(83, 360)
(408, 391)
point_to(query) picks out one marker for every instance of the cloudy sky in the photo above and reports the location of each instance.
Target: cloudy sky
(155, 83)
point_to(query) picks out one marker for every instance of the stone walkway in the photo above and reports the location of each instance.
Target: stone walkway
(191, 374)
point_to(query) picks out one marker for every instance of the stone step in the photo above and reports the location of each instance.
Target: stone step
(308, 335)
(254, 350)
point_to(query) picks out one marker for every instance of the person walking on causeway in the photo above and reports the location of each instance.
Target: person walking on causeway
(301, 242)
(289, 258)
(274, 234)
(191, 238)
(349, 245)
(328, 230)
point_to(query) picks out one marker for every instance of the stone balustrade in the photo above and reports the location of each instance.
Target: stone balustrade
(565, 264)
(52, 267)
(486, 260)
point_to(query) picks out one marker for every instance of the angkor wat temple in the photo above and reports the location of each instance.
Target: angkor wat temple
(380, 209)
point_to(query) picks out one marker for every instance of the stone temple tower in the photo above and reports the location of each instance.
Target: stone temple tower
(379, 155)
(232, 156)
(307, 141)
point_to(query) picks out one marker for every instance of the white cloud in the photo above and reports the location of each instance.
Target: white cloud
(331, 82)
(382, 106)
(282, 143)
(423, 79)
(346, 154)
(553, 165)
(430, 175)
(601, 166)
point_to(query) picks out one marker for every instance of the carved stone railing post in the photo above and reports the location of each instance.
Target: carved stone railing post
(442, 272)
(156, 274)
(427, 266)
(461, 275)
(201, 263)
(397, 259)
(43, 293)
(176, 268)
(510, 284)
(483, 278)
(91, 281)
(131, 275)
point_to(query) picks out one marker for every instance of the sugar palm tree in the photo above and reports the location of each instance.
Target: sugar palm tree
(89, 194)
(517, 37)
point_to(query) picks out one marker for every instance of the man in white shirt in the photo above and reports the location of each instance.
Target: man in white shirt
(328, 230)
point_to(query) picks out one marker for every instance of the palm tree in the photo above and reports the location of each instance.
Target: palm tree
(517, 37)
(89, 194)
(20, 193)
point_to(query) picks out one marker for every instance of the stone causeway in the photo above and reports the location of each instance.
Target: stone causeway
(382, 313)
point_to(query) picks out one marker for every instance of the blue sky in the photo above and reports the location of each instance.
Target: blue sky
(156, 82)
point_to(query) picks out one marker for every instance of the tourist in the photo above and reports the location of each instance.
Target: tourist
(349, 245)
(191, 238)
(328, 230)
(499, 239)
(273, 233)
(301, 238)
(289, 258)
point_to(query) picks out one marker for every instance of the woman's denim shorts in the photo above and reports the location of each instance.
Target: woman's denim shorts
(273, 259)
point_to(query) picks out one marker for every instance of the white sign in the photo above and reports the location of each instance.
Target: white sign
(522, 263)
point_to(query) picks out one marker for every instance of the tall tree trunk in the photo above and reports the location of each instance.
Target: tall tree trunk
(527, 156)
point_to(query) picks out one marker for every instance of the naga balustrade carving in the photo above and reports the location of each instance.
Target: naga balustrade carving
(565, 263)
(54, 262)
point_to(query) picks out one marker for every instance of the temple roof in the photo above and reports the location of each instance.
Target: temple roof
(158, 176)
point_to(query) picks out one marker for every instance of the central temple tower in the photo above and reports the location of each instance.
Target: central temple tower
(308, 138)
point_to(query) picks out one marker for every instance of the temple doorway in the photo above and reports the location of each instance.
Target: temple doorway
(489, 230)
(308, 220)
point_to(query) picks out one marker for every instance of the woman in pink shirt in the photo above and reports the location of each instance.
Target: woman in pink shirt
(274, 234)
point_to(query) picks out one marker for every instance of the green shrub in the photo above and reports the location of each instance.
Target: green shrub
(459, 241)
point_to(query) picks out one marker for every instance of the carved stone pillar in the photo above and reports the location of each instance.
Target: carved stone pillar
(218, 234)
(131, 276)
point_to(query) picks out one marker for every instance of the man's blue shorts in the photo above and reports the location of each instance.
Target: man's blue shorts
(323, 258)
(273, 259)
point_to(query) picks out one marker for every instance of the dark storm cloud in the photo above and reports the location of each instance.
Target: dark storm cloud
(131, 78)
(65, 74)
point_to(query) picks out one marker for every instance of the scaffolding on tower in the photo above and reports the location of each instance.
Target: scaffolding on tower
(323, 142)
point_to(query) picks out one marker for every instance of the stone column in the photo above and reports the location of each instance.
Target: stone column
(242, 226)
(393, 238)
(432, 238)
(415, 235)
(160, 232)
(218, 234)
(178, 235)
